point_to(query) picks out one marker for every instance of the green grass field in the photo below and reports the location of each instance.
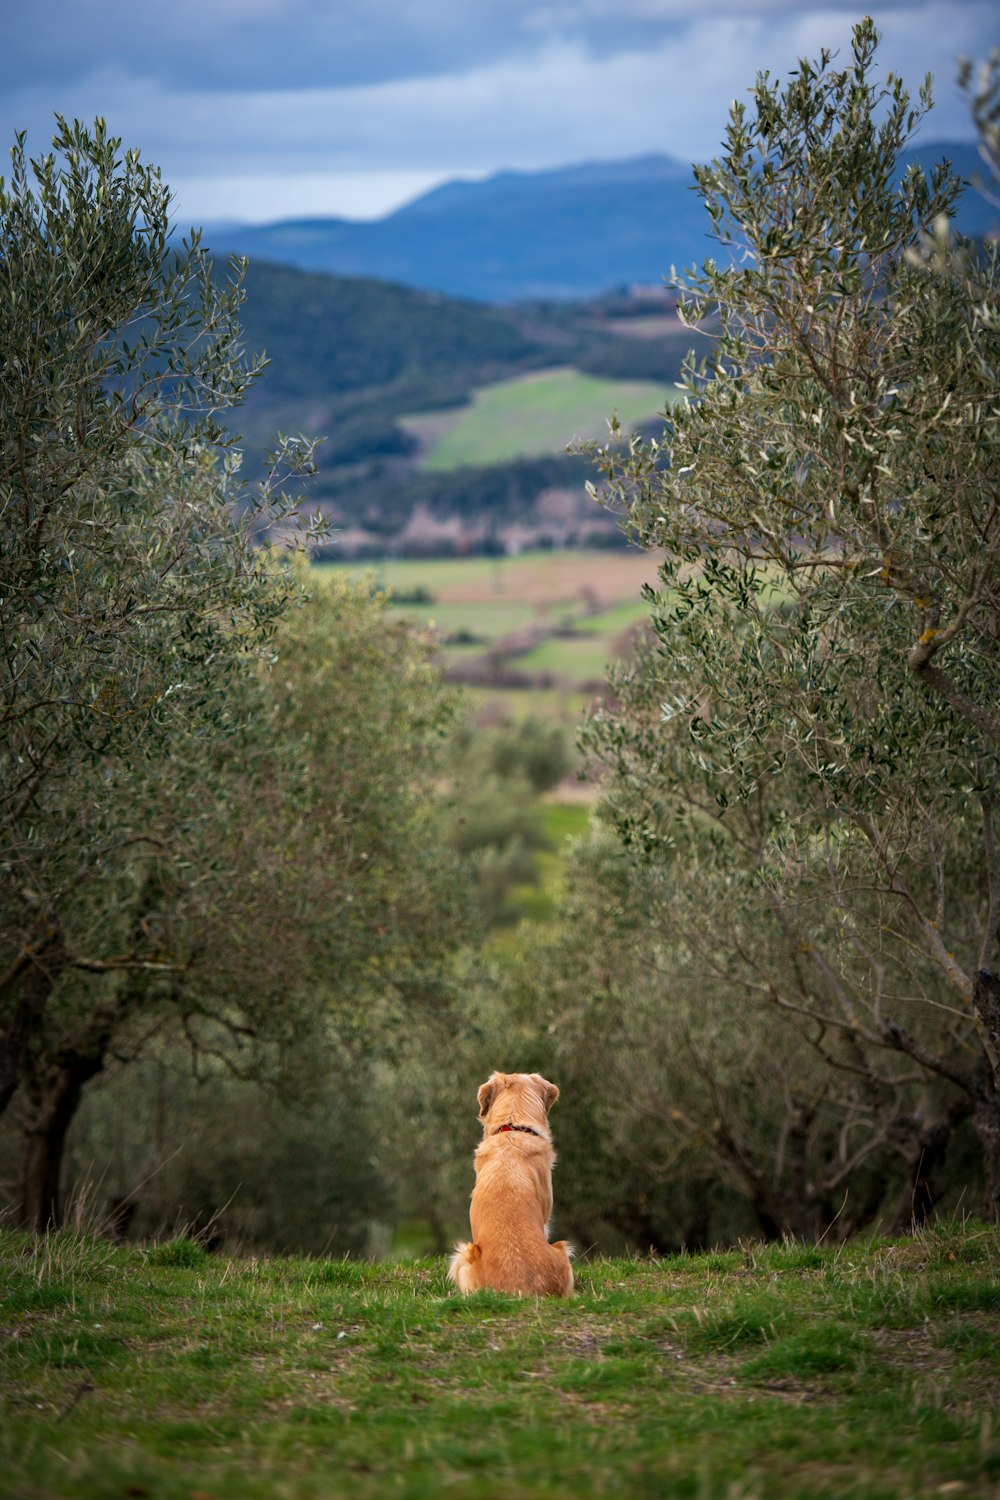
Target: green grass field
(553, 705)
(438, 575)
(781, 1373)
(562, 821)
(491, 599)
(533, 415)
(570, 659)
(614, 621)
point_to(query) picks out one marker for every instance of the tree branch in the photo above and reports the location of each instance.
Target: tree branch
(939, 682)
(900, 1040)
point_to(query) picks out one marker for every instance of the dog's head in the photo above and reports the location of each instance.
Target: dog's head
(516, 1099)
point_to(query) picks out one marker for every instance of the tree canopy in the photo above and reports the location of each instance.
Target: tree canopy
(202, 823)
(810, 740)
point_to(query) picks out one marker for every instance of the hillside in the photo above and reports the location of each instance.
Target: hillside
(329, 334)
(377, 369)
(532, 415)
(518, 236)
(529, 236)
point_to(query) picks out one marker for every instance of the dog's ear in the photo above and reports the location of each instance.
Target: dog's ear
(549, 1091)
(488, 1092)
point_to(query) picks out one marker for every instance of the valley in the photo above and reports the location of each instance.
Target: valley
(444, 424)
(526, 635)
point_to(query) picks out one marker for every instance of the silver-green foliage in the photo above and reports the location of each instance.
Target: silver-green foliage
(811, 740)
(845, 431)
(134, 609)
(132, 601)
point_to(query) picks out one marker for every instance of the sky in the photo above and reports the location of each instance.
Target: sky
(258, 110)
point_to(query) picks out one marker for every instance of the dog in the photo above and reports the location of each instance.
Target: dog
(512, 1198)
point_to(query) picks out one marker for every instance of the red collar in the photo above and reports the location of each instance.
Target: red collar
(528, 1130)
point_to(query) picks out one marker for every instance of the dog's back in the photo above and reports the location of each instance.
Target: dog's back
(512, 1199)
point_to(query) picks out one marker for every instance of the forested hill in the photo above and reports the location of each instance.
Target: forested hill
(351, 358)
(333, 334)
(518, 236)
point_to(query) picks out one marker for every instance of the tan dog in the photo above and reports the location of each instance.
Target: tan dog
(512, 1199)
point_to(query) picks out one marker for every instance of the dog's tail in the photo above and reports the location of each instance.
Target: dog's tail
(462, 1267)
(564, 1269)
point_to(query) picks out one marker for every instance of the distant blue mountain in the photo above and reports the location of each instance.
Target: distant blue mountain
(535, 236)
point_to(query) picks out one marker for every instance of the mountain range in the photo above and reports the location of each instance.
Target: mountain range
(537, 236)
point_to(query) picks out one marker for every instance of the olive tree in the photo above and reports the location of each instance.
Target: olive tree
(845, 425)
(317, 942)
(777, 952)
(135, 609)
(301, 903)
(824, 683)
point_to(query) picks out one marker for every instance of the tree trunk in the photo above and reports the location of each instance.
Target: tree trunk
(54, 1100)
(780, 1215)
(986, 1003)
(31, 981)
(987, 1122)
(924, 1151)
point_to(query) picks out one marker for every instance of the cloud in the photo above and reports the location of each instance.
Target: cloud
(254, 197)
(272, 103)
(285, 45)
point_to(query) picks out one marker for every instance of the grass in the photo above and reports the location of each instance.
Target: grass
(533, 415)
(487, 601)
(487, 620)
(576, 659)
(616, 620)
(866, 1372)
(563, 705)
(543, 579)
(564, 820)
(538, 903)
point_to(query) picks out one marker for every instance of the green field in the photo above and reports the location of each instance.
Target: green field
(544, 578)
(442, 577)
(765, 1373)
(495, 602)
(579, 660)
(533, 415)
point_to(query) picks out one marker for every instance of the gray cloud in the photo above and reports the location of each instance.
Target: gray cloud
(250, 45)
(240, 100)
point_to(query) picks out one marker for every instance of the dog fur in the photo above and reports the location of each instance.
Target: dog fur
(512, 1198)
